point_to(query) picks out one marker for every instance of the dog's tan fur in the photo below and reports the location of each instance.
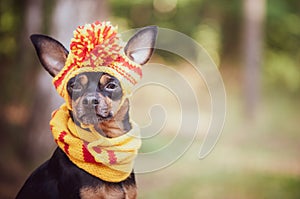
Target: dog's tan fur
(108, 192)
(114, 127)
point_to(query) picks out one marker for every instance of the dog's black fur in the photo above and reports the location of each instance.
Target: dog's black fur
(59, 177)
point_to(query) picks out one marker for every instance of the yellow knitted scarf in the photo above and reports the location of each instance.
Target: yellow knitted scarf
(110, 159)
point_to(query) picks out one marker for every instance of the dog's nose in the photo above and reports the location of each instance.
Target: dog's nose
(90, 100)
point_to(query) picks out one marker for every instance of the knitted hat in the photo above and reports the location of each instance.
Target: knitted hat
(97, 47)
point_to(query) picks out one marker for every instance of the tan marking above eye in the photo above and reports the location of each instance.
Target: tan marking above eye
(104, 79)
(83, 79)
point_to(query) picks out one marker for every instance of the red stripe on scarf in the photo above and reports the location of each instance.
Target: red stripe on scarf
(87, 156)
(61, 138)
(112, 157)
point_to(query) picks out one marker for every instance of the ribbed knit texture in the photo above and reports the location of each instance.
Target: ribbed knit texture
(110, 159)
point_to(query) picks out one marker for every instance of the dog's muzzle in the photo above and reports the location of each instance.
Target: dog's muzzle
(92, 109)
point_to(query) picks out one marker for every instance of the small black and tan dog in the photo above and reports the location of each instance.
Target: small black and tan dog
(96, 98)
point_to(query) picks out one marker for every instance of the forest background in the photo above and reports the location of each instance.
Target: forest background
(254, 43)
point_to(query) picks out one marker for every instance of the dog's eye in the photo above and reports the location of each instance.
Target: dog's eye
(111, 86)
(76, 87)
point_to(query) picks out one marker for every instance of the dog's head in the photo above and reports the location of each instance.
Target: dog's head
(96, 77)
(96, 97)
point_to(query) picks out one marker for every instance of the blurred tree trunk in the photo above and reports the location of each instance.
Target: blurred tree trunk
(66, 16)
(69, 14)
(17, 76)
(38, 136)
(254, 14)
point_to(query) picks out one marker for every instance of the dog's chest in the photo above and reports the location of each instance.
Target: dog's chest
(108, 192)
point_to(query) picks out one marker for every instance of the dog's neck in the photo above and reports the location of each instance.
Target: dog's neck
(115, 126)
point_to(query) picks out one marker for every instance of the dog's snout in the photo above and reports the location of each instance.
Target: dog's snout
(90, 100)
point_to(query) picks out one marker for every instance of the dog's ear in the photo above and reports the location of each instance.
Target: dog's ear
(140, 47)
(51, 53)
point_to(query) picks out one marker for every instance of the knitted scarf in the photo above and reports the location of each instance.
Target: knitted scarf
(110, 159)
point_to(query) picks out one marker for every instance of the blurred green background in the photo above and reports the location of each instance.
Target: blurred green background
(255, 44)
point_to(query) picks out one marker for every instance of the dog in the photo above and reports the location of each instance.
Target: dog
(97, 106)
